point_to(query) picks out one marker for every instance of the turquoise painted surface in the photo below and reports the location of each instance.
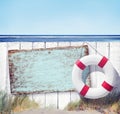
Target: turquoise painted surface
(44, 70)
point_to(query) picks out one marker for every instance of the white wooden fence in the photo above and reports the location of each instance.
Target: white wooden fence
(58, 99)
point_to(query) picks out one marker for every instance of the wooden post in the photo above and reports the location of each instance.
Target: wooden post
(57, 99)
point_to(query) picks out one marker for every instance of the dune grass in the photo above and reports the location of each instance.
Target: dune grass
(17, 103)
(109, 103)
(5, 103)
(23, 102)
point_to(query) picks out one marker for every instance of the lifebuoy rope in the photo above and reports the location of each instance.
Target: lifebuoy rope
(94, 48)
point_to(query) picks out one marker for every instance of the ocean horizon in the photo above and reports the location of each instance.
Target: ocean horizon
(59, 38)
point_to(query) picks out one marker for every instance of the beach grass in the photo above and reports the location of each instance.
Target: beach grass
(17, 103)
(21, 103)
(5, 103)
(111, 103)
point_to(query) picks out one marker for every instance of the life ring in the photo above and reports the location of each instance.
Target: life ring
(108, 83)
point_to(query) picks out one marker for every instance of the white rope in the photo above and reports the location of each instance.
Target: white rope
(93, 48)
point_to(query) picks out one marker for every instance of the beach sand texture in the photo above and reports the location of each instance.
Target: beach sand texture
(49, 111)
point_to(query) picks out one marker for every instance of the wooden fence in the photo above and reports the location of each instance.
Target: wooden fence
(58, 99)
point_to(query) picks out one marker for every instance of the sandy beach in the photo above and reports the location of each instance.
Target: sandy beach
(49, 111)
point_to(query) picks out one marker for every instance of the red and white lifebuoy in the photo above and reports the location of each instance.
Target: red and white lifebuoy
(108, 83)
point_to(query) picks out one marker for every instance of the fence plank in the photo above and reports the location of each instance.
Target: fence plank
(13, 45)
(51, 100)
(115, 60)
(102, 47)
(64, 99)
(26, 45)
(76, 43)
(3, 66)
(40, 99)
(51, 44)
(75, 96)
(115, 54)
(63, 44)
(37, 45)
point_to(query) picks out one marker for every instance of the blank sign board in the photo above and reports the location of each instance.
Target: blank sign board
(43, 70)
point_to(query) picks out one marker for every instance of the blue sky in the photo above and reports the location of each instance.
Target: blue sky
(60, 17)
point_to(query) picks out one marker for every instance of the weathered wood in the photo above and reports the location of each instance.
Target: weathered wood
(37, 45)
(26, 45)
(3, 66)
(103, 47)
(46, 69)
(51, 44)
(64, 99)
(13, 45)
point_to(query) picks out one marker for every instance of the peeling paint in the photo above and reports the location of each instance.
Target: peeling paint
(43, 70)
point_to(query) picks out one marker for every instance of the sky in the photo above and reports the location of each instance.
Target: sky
(59, 17)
